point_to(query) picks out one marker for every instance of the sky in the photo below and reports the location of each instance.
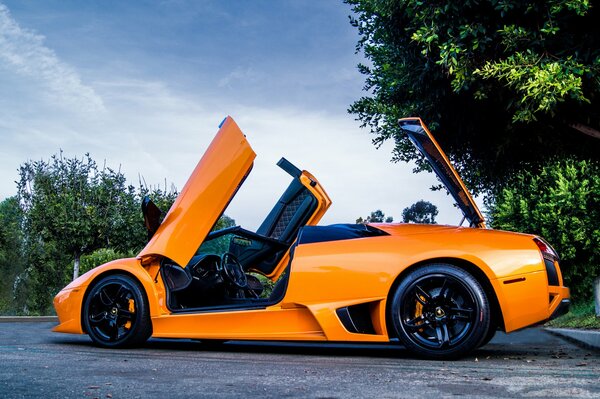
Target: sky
(143, 86)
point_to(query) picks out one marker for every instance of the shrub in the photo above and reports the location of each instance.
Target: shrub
(100, 257)
(561, 203)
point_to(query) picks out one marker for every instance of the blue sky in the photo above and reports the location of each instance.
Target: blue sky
(145, 84)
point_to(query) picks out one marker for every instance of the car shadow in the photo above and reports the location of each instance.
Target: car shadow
(292, 348)
(387, 350)
(392, 350)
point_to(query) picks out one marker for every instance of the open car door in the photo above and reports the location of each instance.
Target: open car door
(303, 203)
(213, 183)
(423, 140)
(268, 250)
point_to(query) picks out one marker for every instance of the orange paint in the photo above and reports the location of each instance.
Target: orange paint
(324, 276)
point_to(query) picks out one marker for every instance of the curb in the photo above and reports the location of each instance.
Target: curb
(27, 319)
(586, 338)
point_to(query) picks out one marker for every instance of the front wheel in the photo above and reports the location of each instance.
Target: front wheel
(115, 313)
(440, 311)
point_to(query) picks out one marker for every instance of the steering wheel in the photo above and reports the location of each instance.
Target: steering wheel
(233, 271)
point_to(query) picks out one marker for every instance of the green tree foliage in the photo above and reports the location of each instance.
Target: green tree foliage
(73, 202)
(420, 212)
(375, 217)
(561, 204)
(223, 222)
(102, 256)
(71, 208)
(69, 216)
(11, 252)
(220, 244)
(500, 82)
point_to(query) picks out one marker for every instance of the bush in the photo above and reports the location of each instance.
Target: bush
(561, 203)
(100, 257)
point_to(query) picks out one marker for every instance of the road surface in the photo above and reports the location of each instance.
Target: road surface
(36, 363)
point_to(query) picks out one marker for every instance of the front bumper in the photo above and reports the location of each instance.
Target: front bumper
(68, 309)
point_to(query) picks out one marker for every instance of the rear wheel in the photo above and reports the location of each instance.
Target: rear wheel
(115, 313)
(490, 335)
(440, 311)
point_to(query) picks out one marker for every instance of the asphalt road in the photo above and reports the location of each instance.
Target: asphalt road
(36, 363)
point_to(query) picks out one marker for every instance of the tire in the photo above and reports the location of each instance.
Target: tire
(440, 311)
(490, 335)
(116, 313)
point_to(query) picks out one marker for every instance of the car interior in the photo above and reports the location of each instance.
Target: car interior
(223, 273)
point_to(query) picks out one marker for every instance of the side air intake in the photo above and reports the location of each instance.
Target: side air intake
(357, 318)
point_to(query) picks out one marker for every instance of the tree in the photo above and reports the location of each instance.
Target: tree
(420, 212)
(500, 82)
(224, 222)
(562, 205)
(11, 252)
(69, 212)
(72, 203)
(70, 208)
(128, 234)
(375, 217)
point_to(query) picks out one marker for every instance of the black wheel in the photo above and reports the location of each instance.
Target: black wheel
(440, 311)
(115, 313)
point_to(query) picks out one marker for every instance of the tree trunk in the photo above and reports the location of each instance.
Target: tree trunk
(590, 131)
(76, 267)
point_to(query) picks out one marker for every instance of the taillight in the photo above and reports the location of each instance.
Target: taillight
(550, 260)
(547, 251)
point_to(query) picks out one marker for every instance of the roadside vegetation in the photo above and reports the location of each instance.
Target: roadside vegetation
(69, 215)
(581, 316)
(419, 212)
(511, 90)
(561, 203)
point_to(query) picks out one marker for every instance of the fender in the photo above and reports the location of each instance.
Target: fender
(69, 300)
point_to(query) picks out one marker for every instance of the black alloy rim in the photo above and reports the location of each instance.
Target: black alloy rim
(112, 311)
(438, 311)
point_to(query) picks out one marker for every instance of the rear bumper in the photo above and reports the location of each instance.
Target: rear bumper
(561, 309)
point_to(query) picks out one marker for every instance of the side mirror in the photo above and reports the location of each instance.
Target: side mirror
(151, 216)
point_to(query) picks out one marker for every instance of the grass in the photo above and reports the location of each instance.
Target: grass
(581, 315)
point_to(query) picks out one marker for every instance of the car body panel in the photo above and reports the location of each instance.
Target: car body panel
(68, 302)
(292, 324)
(339, 271)
(424, 141)
(323, 276)
(341, 274)
(324, 202)
(202, 200)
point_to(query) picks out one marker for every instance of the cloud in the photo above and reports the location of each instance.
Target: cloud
(23, 53)
(160, 134)
(358, 177)
(237, 74)
(151, 125)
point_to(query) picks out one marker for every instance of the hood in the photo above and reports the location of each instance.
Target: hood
(423, 140)
(213, 183)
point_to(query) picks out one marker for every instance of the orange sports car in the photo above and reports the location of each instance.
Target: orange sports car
(441, 291)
